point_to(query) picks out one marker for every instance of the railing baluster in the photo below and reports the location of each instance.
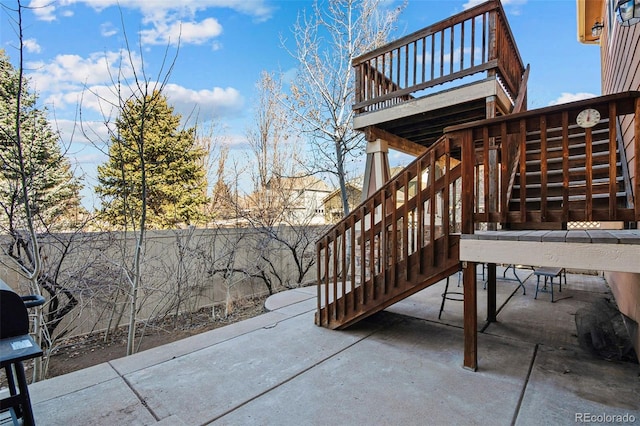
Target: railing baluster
(327, 275)
(399, 70)
(372, 240)
(446, 225)
(384, 240)
(452, 48)
(335, 277)
(505, 168)
(441, 53)
(394, 231)
(363, 257)
(343, 270)
(405, 225)
(319, 280)
(432, 206)
(473, 41)
(420, 204)
(462, 45)
(424, 59)
(486, 168)
(484, 38)
(406, 65)
(415, 62)
(433, 55)
(352, 259)
(543, 168)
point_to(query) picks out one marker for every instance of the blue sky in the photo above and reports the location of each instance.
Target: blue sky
(226, 44)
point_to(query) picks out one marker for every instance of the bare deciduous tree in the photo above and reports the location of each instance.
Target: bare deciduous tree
(37, 191)
(279, 209)
(322, 94)
(135, 102)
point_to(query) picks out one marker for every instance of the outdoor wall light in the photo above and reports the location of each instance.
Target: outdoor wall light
(596, 30)
(628, 12)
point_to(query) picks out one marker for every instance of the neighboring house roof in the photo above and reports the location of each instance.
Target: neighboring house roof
(355, 184)
(358, 182)
(307, 183)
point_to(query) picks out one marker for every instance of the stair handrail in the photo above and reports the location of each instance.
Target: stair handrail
(625, 166)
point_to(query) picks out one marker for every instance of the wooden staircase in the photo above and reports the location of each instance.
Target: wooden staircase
(550, 172)
(396, 243)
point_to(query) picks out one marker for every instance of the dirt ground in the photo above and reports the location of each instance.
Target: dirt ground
(85, 351)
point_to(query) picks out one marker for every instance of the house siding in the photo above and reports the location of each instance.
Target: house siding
(620, 61)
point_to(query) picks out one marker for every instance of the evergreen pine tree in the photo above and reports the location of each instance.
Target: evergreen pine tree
(147, 132)
(54, 192)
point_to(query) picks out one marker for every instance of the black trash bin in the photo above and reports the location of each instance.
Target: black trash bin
(16, 346)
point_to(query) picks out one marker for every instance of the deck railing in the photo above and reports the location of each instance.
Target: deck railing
(579, 195)
(475, 41)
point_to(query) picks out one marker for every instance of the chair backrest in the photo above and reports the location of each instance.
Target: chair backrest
(14, 319)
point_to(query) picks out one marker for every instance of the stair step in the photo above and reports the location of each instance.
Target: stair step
(554, 160)
(597, 134)
(571, 147)
(572, 184)
(578, 130)
(580, 197)
(571, 170)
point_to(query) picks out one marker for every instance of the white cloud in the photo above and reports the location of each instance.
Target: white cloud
(471, 3)
(43, 9)
(81, 133)
(216, 46)
(68, 72)
(571, 97)
(107, 29)
(168, 21)
(151, 9)
(31, 45)
(166, 32)
(72, 81)
(206, 103)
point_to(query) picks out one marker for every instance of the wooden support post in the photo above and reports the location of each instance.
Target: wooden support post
(636, 160)
(494, 170)
(376, 173)
(470, 316)
(491, 292)
(469, 268)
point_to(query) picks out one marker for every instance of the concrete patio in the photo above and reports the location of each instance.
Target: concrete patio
(399, 367)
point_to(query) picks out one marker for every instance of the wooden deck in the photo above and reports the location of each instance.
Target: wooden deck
(461, 69)
(602, 250)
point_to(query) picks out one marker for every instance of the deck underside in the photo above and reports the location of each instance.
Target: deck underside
(422, 120)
